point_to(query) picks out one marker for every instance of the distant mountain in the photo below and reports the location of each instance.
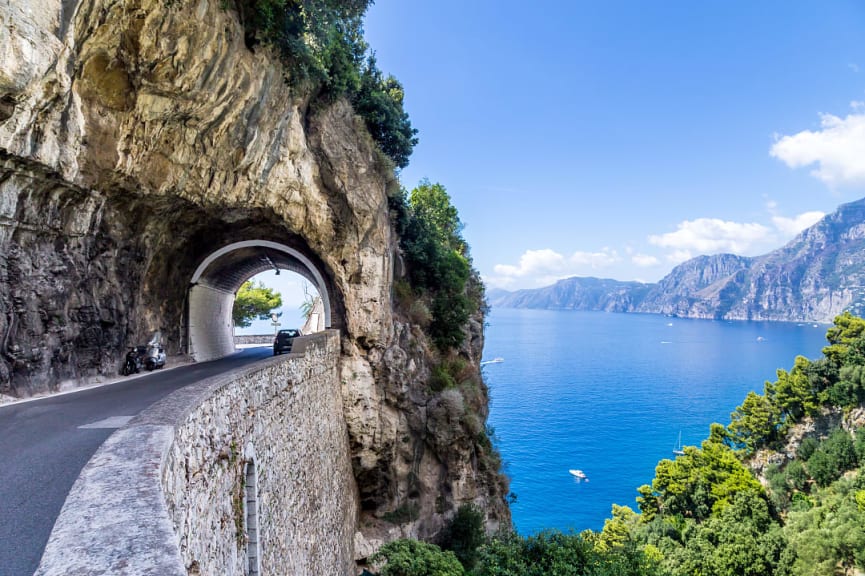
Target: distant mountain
(575, 294)
(816, 276)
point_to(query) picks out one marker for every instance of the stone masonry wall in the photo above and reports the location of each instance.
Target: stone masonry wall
(288, 420)
(164, 495)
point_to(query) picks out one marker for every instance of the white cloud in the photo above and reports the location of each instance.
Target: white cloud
(711, 236)
(644, 260)
(679, 256)
(543, 267)
(789, 227)
(838, 149)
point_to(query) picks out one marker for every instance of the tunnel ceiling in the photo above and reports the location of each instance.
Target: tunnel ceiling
(230, 270)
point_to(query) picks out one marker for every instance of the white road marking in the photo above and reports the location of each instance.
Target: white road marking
(111, 422)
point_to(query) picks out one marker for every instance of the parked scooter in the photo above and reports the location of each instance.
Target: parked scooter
(132, 364)
(155, 357)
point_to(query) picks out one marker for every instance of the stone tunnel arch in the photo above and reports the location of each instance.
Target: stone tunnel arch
(215, 282)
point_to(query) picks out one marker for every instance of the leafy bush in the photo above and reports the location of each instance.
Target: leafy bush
(436, 259)
(379, 101)
(413, 558)
(859, 445)
(796, 476)
(552, 553)
(465, 534)
(807, 447)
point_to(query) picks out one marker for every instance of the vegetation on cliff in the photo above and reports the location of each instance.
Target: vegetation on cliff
(707, 512)
(441, 281)
(321, 44)
(778, 491)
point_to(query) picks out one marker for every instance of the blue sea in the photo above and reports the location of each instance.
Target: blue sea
(610, 394)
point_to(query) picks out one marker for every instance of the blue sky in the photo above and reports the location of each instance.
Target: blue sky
(617, 138)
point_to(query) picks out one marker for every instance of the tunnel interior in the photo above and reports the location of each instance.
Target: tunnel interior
(217, 278)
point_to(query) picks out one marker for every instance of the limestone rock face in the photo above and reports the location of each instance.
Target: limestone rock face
(139, 136)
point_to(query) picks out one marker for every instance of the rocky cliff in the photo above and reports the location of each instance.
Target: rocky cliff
(815, 277)
(137, 137)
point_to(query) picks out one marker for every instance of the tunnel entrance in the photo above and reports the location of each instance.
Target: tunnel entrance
(212, 288)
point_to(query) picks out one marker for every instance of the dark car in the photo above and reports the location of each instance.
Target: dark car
(283, 341)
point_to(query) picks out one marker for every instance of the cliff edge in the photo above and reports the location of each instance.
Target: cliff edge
(138, 137)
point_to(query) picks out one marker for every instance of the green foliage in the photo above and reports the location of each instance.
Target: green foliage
(406, 513)
(379, 101)
(552, 553)
(796, 476)
(321, 43)
(465, 535)
(832, 458)
(698, 484)
(754, 423)
(742, 539)
(413, 558)
(849, 390)
(859, 446)
(829, 537)
(252, 301)
(807, 447)
(436, 258)
(450, 373)
(793, 393)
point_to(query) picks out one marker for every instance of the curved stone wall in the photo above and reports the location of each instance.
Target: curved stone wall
(168, 493)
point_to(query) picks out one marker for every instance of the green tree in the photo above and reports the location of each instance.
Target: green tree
(254, 300)
(792, 393)
(438, 267)
(742, 540)
(379, 101)
(432, 203)
(829, 538)
(796, 476)
(859, 445)
(465, 534)
(698, 484)
(551, 553)
(754, 423)
(846, 338)
(834, 456)
(321, 44)
(413, 558)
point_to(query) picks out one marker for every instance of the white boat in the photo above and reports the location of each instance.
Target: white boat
(493, 361)
(578, 474)
(678, 449)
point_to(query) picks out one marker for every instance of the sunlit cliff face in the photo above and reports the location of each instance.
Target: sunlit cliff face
(137, 139)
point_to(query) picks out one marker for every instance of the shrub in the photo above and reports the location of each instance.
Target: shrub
(807, 447)
(436, 260)
(465, 534)
(412, 558)
(797, 478)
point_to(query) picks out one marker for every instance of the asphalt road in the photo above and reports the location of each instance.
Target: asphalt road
(43, 449)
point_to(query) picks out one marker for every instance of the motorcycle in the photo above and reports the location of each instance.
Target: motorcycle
(132, 364)
(155, 356)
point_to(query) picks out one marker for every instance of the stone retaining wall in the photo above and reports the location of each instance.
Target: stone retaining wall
(253, 339)
(168, 494)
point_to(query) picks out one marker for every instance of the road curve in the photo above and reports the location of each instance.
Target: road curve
(45, 443)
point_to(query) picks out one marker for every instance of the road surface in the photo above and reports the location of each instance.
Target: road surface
(45, 443)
